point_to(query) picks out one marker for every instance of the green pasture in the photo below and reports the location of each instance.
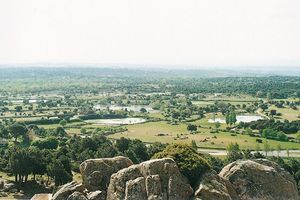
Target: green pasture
(287, 113)
(148, 132)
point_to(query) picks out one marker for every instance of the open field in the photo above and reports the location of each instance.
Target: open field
(230, 98)
(287, 113)
(148, 132)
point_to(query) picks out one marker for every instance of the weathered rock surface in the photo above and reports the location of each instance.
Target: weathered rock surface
(41, 197)
(158, 179)
(260, 179)
(212, 186)
(77, 196)
(3, 194)
(97, 195)
(96, 172)
(9, 187)
(66, 190)
(161, 179)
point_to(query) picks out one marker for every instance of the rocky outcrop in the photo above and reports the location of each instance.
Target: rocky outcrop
(153, 180)
(9, 187)
(96, 172)
(212, 186)
(77, 196)
(96, 195)
(160, 179)
(41, 197)
(260, 179)
(66, 190)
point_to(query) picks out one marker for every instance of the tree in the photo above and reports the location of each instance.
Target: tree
(59, 132)
(106, 150)
(20, 163)
(4, 133)
(233, 117)
(65, 161)
(227, 118)
(217, 125)
(298, 137)
(18, 108)
(273, 134)
(278, 148)
(249, 131)
(30, 107)
(263, 106)
(122, 144)
(57, 171)
(233, 152)
(139, 150)
(156, 105)
(38, 162)
(216, 163)
(273, 112)
(63, 122)
(143, 110)
(281, 136)
(200, 114)
(266, 147)
(83, 131)
(155, 148)
(192, 127)
(48, 143)
(230, 118)
(17, 130)
(194, 145)
(247, 154)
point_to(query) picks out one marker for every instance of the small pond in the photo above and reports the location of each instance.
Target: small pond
(119, 121)
(134, 108)
(21, 101)
(239, 118)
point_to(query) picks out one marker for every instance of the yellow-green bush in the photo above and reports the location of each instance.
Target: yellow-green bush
(191, 164)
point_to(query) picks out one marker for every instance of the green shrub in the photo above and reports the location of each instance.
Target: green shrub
(75, 167)
(216, 163)
(233, 152)
(48, 143)
(191, 164)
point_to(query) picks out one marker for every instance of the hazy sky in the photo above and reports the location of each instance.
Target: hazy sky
(178, 32)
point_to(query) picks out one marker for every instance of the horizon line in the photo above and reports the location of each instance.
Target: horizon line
(154, 66)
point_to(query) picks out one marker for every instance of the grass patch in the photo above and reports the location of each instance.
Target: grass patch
(148, 132)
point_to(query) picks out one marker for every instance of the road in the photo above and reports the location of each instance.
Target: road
(283, 153)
